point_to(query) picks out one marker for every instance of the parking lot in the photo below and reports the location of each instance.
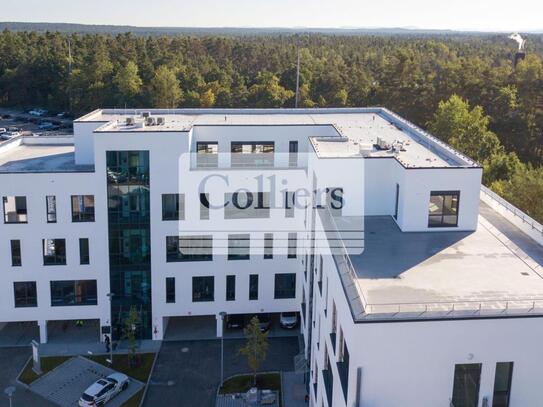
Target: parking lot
(27, 124)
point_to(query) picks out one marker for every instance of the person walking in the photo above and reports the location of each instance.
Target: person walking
(107, 341)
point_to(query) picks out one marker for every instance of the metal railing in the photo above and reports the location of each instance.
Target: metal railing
(526, 219)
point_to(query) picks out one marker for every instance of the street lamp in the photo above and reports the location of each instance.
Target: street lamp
(110, 296)
(9, 392)
(223, 315)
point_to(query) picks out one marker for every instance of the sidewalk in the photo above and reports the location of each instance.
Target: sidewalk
(97, 348)
(294, 389)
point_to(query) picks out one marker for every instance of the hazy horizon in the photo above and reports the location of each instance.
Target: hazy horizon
(463, 15)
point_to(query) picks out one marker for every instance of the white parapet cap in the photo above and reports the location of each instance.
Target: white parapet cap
(372, 132)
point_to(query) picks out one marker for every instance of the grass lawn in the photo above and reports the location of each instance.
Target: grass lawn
(241, 384)
(47, 364)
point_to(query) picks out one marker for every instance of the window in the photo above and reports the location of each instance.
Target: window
(230, 288)
(51, 205)
(203, 289)
(268, 245)
(292, 243)
(334, 200)
(290, 202)
(16, 253)
(82, 208)
(466, 385)
(239, 246)
(189, 248)
(204, 206)
(396, 204)
(84, 256)
(285, 286)
(247, 205)
(293, 154)
(443, 209)
(173, 206)
(252, 154)
(343, 364)
(54, 252)
(170, 290)
(502, 384)
(15, 209)
(253, 287)
(73, 292)
(25, 294)
(207, 154)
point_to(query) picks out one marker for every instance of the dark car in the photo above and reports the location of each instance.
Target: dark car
(235, 321)
(264, 321)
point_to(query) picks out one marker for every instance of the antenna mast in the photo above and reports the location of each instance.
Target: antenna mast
(297, 76)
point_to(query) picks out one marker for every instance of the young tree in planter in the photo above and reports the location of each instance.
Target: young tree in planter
(129, 333)
(256, 348)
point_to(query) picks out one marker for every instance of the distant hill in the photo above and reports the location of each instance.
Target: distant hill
(234, 31)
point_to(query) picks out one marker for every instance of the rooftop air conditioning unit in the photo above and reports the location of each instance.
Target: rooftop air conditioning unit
(130, 121)
(382, 144)
(160, 121)
(150, 121)
(146, 114)
(365, 149)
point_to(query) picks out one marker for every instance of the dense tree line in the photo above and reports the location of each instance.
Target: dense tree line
(496, 115)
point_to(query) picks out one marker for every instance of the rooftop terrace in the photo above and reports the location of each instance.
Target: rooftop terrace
(492, 272)
(356, 127)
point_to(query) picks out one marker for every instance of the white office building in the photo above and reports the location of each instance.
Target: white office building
(415, 286)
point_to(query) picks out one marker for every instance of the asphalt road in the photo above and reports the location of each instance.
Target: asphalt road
(187, 373)
(12, 361)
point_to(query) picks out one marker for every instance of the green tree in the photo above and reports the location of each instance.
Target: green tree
(129, 333)
(165, 90)
(256, 348)
(127, 83)
(267, 92)
(207, 98)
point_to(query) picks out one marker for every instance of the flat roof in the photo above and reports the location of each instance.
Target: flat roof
(39, 158)
(496, 270)
(357, 128)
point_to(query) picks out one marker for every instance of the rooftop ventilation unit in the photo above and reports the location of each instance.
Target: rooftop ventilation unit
(160, 121)
(130, 121)
(382, 144)
(146, 114)
(150, 121)
(365, 149)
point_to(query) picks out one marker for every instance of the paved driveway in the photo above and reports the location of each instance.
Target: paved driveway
(12, 361)
(187, 373)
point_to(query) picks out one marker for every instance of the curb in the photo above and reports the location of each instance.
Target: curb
(26, 386)
(142, 400)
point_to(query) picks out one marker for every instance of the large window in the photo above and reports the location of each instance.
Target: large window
(502, 384)
(73, 292)
(239, 246)
(466, 385)
(293, 154)
(204, 206)
(16, 253)
(51, 205)
(203, 289)
(285, 286)
(207, 154)
(247, 205)
(253, 287)
(292, 245)
(252, 154)
(25, 294)
(173, 206)
(84, 255)
(230, 288)
(82, 208)
(15, 209)
(443, 209)
(54, 252)
(290, 203)
(170, 290)
(189, 248)
(268, 245)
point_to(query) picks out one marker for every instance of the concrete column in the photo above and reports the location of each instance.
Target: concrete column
(43, 331)
(220, 325)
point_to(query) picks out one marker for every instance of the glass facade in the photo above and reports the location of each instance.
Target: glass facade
(128, 193)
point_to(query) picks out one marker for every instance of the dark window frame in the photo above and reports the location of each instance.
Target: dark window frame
(170, 290)
(16, 253)
(173, 256)
(253, 287)
(268, 246)
(88, 212)
(204, 282)
(292, 249)
(178, 202)
(502, 398)
(231, 287)
(204, 206)
(19, 211)
(284, 289)
(443, 214)
(54, 259)
(255, 206)
(232, 238)
(61, 296)
(459, 387)
(51, 208)
(27, 301)
(84, 258)
(240, 159)
(206, 158)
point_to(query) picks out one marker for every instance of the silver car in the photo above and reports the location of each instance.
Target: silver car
(103, 390)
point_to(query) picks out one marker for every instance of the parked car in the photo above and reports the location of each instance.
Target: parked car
(264, 321)
(288, 320)
(38, 112)
(48, 126)
(235, 321)
(103, 390)
(9, 135)
(3, 130)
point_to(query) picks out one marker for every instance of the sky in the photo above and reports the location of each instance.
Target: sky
(478, 15)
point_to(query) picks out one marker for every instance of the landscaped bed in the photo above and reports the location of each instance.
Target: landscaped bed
(121, 364)
(242, 384)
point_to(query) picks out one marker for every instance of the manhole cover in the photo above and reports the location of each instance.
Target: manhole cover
(184, 350)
